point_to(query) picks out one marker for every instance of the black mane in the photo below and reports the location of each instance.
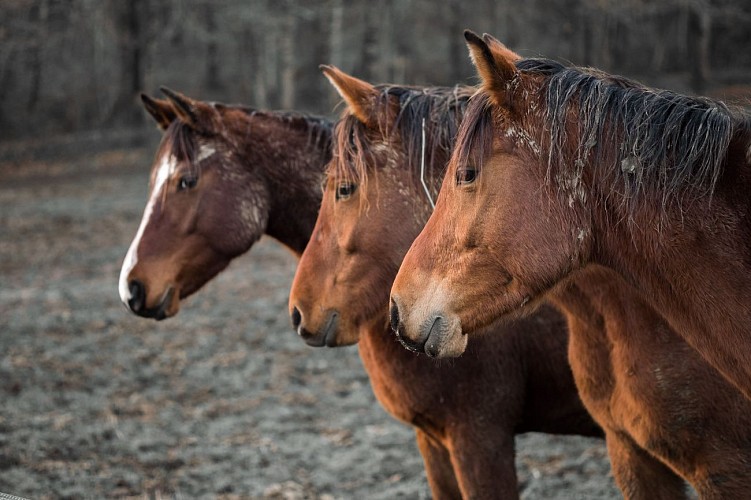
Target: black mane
(630, 135)
(668, 141)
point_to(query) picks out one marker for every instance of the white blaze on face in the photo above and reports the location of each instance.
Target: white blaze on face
(164, 172)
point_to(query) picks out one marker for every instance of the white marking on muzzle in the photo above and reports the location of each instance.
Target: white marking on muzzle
(165, 171)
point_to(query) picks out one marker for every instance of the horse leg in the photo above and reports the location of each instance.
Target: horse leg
(440, 472)
(484, 463)
(640, 475)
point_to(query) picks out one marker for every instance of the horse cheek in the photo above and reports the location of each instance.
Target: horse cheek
(532, 240)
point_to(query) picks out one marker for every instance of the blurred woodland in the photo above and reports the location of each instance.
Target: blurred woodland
(71, 66)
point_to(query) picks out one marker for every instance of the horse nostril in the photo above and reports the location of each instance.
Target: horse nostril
(296, 318)
(394, 316)
(137, 298)
(432, 344)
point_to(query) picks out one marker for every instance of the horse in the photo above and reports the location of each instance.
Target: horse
(223, 176)
(540, 202)
(261, 166)
(649, 183)
(375, 202)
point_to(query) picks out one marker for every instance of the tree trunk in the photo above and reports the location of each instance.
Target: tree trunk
(127, 22)
(38, 18)
(289, 60)
(699, 35)
(213, 82)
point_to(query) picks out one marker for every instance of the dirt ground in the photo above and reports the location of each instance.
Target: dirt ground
(221, 401)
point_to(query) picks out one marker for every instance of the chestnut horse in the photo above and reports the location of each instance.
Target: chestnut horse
(223, 176)
(482, 256)
(269, 155)
(649, 183)
(465, 412)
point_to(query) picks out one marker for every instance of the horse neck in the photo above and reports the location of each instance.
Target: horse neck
(597, 296)
(293, 159)
(692, 264)
(379, 339)
(397, 376)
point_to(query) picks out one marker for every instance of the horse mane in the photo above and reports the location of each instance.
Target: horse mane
(632, 135)
(319, 128)
(182, 142)
(441, 109)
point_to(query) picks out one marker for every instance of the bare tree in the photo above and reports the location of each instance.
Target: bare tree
(79, 64)
(128, 23)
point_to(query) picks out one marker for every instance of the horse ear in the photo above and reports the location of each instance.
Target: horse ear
(359, 95)
(499, 49)
(159, 109)
(197, 115)
(496, 64)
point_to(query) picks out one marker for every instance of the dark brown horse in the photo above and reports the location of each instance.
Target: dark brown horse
(223, 176)
(537, 200)
(465, 412)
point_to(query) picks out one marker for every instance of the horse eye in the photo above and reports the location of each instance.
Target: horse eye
(345, 190)
(187, 182)
(466, 175)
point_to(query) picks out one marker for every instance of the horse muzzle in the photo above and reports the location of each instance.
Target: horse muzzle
(438, 336)
(323, 337)
(137, 302)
